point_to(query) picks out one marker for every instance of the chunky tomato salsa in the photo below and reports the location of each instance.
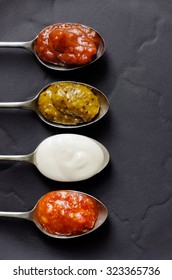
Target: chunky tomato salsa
(66, 212)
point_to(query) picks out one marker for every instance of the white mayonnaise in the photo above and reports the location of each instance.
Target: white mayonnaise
(69, 157)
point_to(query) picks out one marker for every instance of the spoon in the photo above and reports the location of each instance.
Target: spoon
(31, 215)
(29, 45)
(32, 104)
(66, 157)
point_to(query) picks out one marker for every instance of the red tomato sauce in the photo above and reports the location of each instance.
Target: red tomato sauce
(66, 212)
(68, 43)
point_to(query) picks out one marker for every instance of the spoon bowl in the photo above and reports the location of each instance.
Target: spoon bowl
(29, 45)
(67, 157)
(32, 104)
(32, 216)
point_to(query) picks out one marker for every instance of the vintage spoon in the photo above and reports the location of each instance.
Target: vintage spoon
(31, 215)
(29, 45)
(32, 104)
(65, 158)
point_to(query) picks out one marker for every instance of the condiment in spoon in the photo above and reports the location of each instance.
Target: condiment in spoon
(67, 157)
(66, 104)
(65, 214)
(64, 46)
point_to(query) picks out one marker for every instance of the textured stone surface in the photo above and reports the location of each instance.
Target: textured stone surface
(135, 74)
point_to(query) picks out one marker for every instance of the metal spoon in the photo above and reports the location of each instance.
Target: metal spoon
(31, 215)
(35, 159)
(29, 45)
(32, 104)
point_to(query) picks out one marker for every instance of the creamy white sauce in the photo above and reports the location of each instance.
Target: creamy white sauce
(69, 157)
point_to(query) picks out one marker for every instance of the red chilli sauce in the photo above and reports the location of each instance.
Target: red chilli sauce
(67, 43)
(66, 213)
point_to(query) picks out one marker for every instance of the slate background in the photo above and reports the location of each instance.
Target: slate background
(135, 74)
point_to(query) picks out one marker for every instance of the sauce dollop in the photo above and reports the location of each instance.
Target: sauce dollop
(66, 212)
(68, 103)
(67, 43)
(69, 157)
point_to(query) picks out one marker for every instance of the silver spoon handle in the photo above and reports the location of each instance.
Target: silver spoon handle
(28, 158)
(25, 45)
(30, 104)
(22, 215)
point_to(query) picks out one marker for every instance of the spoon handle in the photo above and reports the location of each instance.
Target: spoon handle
(22, 215)
(25, 45)
(30, 104)
(27, 158)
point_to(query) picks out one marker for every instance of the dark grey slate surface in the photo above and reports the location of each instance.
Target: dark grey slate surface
(135, 74)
